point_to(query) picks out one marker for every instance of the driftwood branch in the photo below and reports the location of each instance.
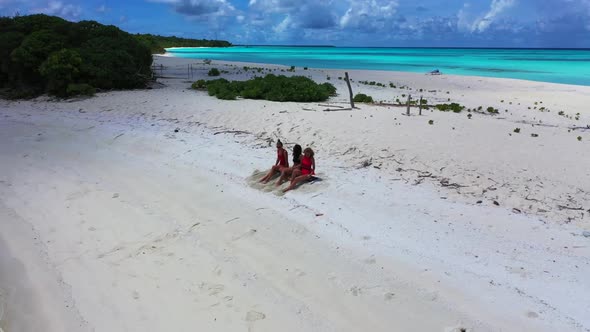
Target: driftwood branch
(326, 105)
(347, 79)
(445, 183)
(337, 109)
(580, 128)
(237, 132)
(563, 207)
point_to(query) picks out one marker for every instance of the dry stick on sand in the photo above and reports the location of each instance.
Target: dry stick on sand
(337, 109)
(347, 79)
(580, 128)
(563, 207)
(326, 105)
(232, 132)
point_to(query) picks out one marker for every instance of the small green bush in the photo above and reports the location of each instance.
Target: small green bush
(199, 85)
(516, 130)
(362, 98)
(430, 122)
(579, 138)
(492, 110)
(213, 72)
(450, 107)
(272, 87)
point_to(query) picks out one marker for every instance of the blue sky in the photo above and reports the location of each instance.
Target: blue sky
(474, 23)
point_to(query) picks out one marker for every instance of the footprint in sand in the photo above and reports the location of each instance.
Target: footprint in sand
(252, 316)
(388, 296)
(370, 260)
(356, 291)
(532, 314)
(248, 233)
(215, 289)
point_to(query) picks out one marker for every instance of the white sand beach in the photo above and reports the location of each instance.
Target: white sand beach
(135, 210)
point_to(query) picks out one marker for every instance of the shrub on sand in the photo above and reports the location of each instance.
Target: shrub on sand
(362, 98)
(271, 87)
(199, 85)
(450, 107)
(213, 72)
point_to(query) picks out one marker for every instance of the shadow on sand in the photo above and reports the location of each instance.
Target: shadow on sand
(316, 184)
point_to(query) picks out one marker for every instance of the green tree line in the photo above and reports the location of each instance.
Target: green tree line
(47, 54)
(157, 44)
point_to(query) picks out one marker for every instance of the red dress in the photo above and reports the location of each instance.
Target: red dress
(282, 158)
(306, 166)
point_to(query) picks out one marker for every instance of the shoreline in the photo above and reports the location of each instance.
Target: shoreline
(371, 72)
(570, 73)
(143, 203)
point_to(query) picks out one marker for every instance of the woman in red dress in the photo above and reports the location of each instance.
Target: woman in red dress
(287, 172)
(281, 163)
(306, 169)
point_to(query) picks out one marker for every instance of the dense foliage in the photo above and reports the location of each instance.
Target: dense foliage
(214, 72)
(269, 87)
(454, 107)
(158, 43)
(40, 53)
(362, 98)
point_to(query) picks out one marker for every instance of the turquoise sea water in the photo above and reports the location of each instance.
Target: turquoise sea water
(546, 65)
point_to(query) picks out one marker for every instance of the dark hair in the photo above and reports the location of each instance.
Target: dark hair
(279, 143)
(310, 151)
(296, 154)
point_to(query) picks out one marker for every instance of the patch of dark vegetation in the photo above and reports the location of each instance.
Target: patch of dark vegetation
(213, 72)
(269, 87)
(47, 54)
(454, 107)
(362, 98)
(157, 44)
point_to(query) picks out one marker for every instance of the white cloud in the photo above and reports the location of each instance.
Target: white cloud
(368, 15)
(61, 9)
(276, 6)
(496, 8)
(284, 25)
